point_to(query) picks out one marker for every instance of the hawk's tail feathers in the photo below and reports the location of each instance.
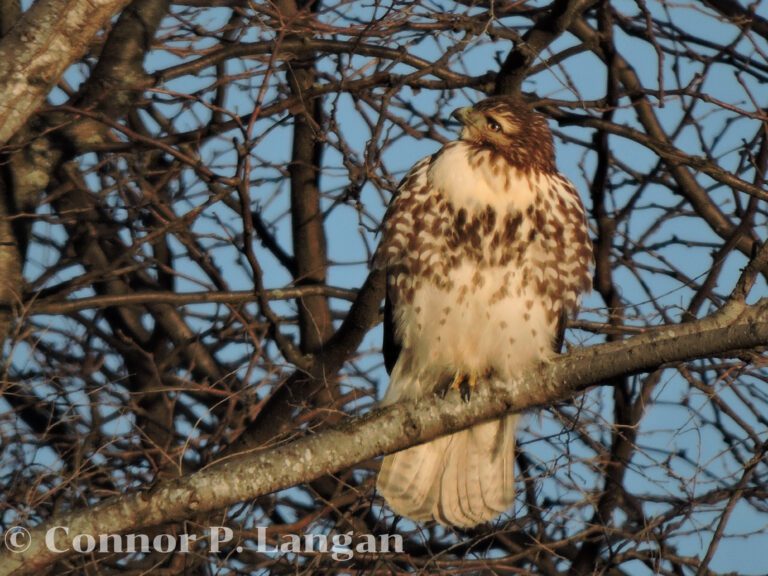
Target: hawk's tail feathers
(462, 479)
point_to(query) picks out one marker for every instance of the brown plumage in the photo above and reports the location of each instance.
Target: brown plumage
(486, 250)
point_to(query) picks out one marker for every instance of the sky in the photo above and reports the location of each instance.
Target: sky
(352, 234)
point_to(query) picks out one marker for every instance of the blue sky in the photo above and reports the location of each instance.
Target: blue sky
(671, 422)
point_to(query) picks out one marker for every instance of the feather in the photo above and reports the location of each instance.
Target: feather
(486, 250)
(392, 345)
(454, 479)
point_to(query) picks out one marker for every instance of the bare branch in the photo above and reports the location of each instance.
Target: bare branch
(35, 52)
(518, 62)
(396, 427)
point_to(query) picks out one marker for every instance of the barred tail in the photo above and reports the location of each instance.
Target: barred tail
(462, 479)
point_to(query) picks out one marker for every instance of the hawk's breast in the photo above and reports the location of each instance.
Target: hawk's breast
(481, 261)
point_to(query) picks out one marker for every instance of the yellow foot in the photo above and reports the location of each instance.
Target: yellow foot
(464, 383)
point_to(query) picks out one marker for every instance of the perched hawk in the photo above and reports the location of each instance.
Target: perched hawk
(486, 252)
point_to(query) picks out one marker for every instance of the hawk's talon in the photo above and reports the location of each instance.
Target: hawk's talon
(444, 385)
(465, 388)
(458, 378)
(463, 382)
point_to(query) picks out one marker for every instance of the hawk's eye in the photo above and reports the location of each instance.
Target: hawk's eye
(493, 126)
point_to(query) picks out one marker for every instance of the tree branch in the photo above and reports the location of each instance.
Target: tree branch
(34, 54)
(34, 305)
(547, 30)
(744, 17)
(397, 427)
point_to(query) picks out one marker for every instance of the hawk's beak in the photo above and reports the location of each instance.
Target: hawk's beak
(462, 114)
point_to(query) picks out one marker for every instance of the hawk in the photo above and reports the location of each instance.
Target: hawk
(486, 253)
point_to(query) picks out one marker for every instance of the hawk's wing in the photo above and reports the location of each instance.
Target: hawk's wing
(392, 344)
(562, 321)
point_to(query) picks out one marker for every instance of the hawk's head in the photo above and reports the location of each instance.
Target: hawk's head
(512, 128)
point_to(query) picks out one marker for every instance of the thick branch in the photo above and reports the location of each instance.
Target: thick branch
(309, 242)
(398, 427)
(279, 413)
(519, 61)
(34, 54)
(744, 17)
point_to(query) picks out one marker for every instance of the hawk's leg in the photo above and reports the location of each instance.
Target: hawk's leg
(461, 381)
(464, 382)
